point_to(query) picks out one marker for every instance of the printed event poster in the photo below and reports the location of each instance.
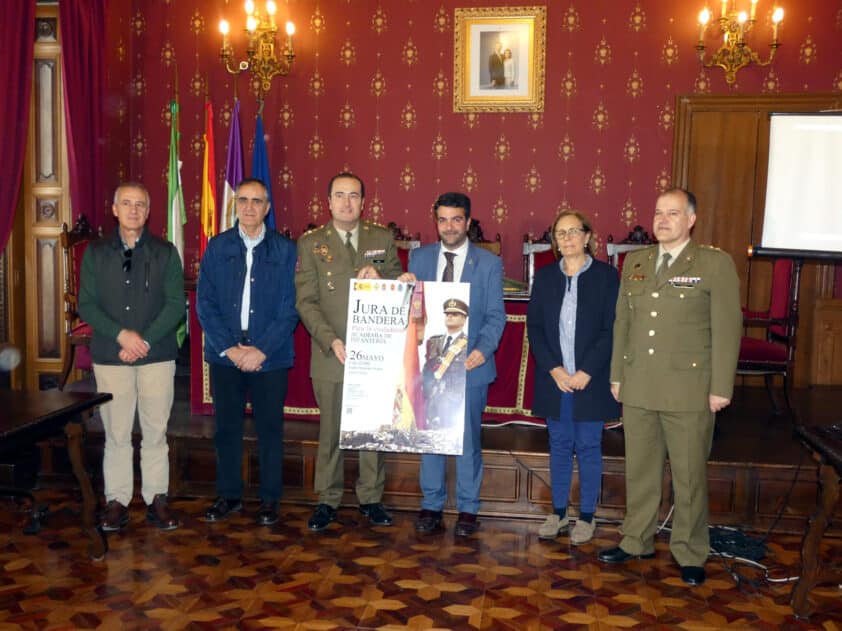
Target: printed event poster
(404, 388)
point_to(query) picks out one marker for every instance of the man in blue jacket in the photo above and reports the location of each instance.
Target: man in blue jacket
(455, 259)
(246, 306)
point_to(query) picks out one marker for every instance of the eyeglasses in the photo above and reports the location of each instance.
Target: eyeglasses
(570, 232)
(127, 260)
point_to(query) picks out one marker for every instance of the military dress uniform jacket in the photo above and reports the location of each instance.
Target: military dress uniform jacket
(444, 386)
(677, 342)
(325, 268)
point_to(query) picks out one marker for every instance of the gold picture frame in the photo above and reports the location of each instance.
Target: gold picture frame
(498, 59)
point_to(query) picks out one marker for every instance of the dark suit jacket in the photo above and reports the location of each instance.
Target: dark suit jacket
(487, 316)
(496, 70)
(597, 298)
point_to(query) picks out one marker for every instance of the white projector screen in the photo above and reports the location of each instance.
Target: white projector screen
(804, 183)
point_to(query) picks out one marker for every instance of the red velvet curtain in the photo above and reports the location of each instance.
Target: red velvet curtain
(17, 30)
(82, 24)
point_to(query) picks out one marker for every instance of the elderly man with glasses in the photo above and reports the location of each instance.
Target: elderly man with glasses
(246, 306)
(132, 295)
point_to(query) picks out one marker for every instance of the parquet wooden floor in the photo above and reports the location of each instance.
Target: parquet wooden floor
(235, 575)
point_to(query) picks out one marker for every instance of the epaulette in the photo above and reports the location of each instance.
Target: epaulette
(312, 230)
(367, 224)
(711, 247)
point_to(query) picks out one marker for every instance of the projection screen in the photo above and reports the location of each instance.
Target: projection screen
(804, 183)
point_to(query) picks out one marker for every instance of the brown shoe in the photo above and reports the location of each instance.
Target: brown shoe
(159, 514)
(115, 518)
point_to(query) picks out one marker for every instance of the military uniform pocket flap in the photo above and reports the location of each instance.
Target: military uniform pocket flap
(690, 360)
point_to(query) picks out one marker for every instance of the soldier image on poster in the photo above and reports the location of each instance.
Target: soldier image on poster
(444, 369)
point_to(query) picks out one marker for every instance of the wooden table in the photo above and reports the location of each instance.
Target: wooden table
(826, 445)
(28, 416)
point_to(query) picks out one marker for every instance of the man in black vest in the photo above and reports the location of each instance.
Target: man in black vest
(132, 295)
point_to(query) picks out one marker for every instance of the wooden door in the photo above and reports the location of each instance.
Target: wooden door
(721, 153)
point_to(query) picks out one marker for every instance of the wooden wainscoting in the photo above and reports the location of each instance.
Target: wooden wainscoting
(515, 483)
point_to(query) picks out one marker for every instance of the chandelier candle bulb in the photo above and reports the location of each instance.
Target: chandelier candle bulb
(704, 17)
(777, 17)
(224, 28)
(290, 32)
(753, 9)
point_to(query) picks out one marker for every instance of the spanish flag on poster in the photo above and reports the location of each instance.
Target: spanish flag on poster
(409, 398)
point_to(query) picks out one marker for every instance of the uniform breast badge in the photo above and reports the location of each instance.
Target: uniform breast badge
(685, 282)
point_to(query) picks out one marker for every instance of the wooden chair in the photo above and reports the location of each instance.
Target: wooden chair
(495, 247)
(617, 252)
(536, 254)
(774, 354)
(404, 247)
(77, 334)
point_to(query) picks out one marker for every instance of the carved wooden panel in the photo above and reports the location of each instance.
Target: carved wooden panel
(46, 80)
(48, 286)
(47, 211)
(827, 343)
(46, 30)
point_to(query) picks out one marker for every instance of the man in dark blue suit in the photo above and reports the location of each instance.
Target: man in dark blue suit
(455, 259)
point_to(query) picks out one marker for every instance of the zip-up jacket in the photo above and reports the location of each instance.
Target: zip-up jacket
(145, 295)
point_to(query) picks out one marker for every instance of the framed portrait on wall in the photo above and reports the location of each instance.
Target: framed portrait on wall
(498, 60)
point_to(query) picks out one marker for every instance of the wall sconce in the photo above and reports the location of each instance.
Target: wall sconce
(735, 53)
(261, 31)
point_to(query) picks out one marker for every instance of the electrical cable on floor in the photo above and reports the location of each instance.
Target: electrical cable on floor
(732, 546)
(666, 520)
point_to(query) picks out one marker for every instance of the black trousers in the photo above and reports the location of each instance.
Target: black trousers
(267, 392)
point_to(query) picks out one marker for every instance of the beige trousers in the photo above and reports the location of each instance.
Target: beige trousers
(149, 389)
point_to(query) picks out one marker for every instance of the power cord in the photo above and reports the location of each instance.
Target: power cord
(731, 545)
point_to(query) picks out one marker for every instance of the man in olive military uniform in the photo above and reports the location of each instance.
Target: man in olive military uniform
(328, 258)
(444, 369)
(676, 342)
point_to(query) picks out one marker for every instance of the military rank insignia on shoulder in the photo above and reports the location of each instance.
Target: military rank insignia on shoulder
(312, 230)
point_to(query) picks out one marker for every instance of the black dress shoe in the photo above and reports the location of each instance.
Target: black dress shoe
(115, 518)
(222, 508)
(159, 514)
(322, 517)
(376, 514)
(466, 525)
(618, 555)
(693, 575)
(267, 514)
(429, 521)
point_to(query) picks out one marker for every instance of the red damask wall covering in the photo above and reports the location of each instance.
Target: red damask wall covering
(371, 91)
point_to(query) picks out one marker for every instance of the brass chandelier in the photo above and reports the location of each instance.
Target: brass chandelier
(734, 25)
(261, 58)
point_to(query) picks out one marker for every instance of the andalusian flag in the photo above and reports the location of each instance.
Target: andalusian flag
(233, 172)
(208, 205)
(260, 168)
(176, 214)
